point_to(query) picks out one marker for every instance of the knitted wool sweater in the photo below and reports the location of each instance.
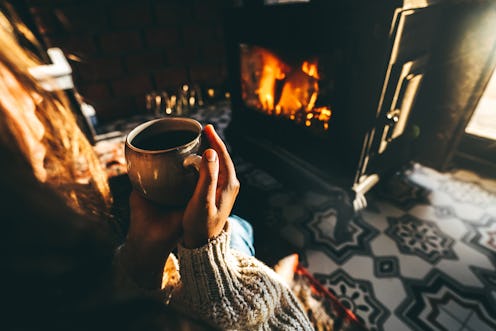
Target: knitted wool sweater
(232, 291)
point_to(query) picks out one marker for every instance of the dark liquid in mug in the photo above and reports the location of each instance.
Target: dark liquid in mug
(164, 140)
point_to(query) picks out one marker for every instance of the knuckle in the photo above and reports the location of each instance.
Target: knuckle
(209, 210)
(234, 185)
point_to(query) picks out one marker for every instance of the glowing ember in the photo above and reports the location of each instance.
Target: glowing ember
(273, 86)
(310, 69)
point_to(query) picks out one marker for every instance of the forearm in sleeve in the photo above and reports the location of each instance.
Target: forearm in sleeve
(231, 290)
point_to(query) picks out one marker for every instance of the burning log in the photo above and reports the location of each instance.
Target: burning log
(274, 87)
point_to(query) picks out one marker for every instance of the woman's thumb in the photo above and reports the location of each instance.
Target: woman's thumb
(207, 182)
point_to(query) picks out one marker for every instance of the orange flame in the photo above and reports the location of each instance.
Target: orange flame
(261, 73)
(273, 69)
(310, 69)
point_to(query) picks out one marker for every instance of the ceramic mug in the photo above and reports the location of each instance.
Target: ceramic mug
(162, 163)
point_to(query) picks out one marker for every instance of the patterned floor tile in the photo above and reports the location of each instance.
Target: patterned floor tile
(488, 279)
(320, 233)
(386, 266)
(444, 212)
(438, 213)
(469, 193)
(420, 237)
(440, 303)
(357, 296)
(483, 238)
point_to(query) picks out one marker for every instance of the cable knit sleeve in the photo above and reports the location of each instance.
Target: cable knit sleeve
(233, 291)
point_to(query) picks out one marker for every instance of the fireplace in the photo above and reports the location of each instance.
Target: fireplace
(323, 91)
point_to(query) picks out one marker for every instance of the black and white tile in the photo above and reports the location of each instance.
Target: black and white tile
(438, 302)
(356, 296)
(428, 265)
(420, 237)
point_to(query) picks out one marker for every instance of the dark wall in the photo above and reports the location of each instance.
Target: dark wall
(130, 47)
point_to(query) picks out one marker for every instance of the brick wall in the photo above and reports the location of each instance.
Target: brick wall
(128, 48)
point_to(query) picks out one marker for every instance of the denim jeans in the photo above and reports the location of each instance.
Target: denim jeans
(241, 235)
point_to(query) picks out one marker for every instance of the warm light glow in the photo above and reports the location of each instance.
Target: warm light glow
(273, 69)
(483, 121)
(269, 102)
(271, 85)
(211, 92)
(312, 101)
(310, 69)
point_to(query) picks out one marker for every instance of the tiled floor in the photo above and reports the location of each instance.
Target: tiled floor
(429, 266)
(428, 263)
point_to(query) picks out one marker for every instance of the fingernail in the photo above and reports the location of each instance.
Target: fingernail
(211, 155)
(211, 128)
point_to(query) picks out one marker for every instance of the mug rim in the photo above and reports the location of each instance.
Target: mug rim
(134, 132)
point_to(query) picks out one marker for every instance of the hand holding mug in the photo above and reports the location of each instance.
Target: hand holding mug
(214, 196)
(159, 168)
(161, 160)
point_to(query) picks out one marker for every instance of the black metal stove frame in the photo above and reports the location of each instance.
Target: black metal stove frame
(384, 49)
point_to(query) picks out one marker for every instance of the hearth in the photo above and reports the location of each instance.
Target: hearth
(323, 91)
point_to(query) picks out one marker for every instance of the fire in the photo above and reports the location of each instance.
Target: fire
(273, 70)
(310, 69)
(279, 89)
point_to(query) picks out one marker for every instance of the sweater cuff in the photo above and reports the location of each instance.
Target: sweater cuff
(203, 269)
(223, 237)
